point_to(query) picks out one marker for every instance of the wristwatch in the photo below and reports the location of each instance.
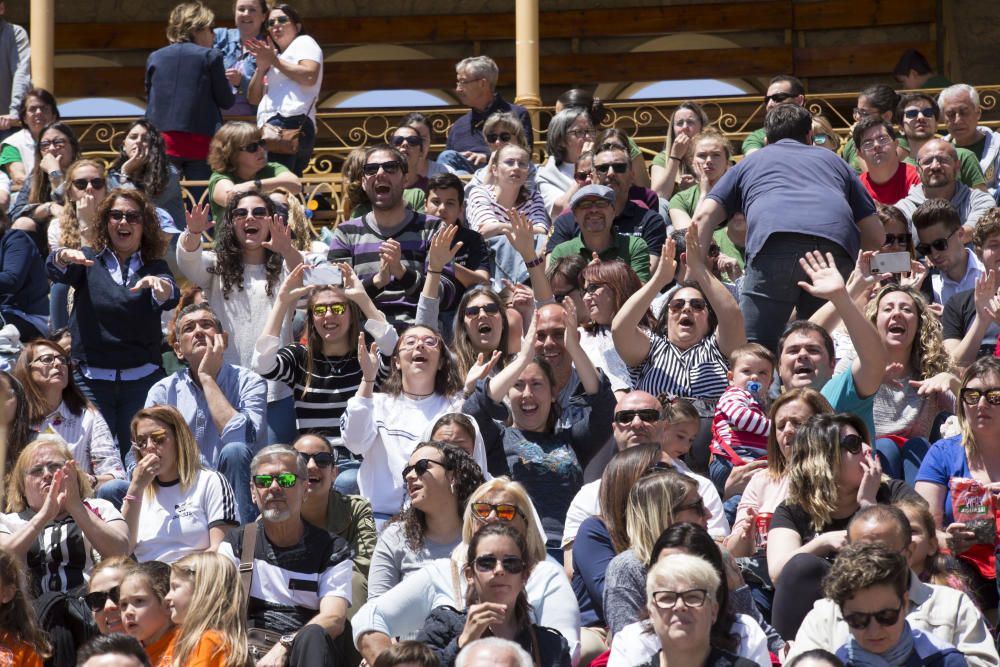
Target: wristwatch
(286, 640)
(257, 184)
(55, 173)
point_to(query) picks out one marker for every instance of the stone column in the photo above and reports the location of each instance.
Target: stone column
(42, 36)
(526, 52)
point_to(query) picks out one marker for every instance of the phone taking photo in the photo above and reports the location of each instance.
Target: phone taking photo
(324, 274)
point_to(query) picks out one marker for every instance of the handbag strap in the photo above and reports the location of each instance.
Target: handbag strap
(534, 647)
(246, 561)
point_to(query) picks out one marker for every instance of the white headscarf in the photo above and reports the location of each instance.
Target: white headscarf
(478, 449)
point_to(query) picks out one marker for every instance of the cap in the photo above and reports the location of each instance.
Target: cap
(591, 191)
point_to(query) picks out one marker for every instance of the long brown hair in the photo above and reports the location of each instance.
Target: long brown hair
(522, 609)
(314, 342)
(621, 280)
(153, 245)
(17, 617)
(37, 408)
(623, 471)
(41, 186)
(69, 223)
(464, 352)
(776, 463)
(446, 381)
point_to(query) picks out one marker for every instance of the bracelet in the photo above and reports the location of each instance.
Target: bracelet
(364, 381)
(257, 184)
(535, 262)
(437, 272)
(129, 497)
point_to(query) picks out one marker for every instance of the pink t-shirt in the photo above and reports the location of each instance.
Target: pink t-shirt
(763, 494)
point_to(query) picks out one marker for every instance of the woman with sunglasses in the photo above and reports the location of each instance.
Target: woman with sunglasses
(671, 171)
(121, 282)
(496, 571)
(53, 522)
(481, 330)
(975, 454)
(286, 83)
(401, 611)
(174, 505)
(102, 593)
(143, 164)
(86, 187)
(239, 163)
(56, 405)
(832, 474)
(439, 480)
(870, 584)
(385, 426)
(253, 254)
(500, 129)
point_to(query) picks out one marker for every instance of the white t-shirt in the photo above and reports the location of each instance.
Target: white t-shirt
(634, 646)
(174, 522)
(284, 96)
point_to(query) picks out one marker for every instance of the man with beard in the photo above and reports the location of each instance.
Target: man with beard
(301, 574)
(224, 405)
(937, 163)
(887, 180)
(388, 246)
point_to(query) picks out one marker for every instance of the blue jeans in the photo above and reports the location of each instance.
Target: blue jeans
(58, 306)
(113, 491)
(770, 284)
(347, 476)
(281, 421)
(307, 140)
(456, 161)
(118, 401)
(233, 462)
(902, 462)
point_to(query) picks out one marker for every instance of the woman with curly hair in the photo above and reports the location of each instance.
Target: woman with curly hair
(833, 473)
(121, 282)
(22, 641)
(241, 277)
(142, 163)
(439, 480)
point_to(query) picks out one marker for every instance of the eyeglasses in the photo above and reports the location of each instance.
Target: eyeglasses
(245, 213)
(252, 147)
(898, 239)
(48, 360)
(81, 183)
(492, 137)
(504, 511)
(410, 342)
(619, 167)
(321, 459)
(851, 443)
(884, 617)
(412, 140)
(693, 598)
(648, 415)
(972, 396)
(697, 507)
(587, 204)
(131, 217)
(158, 438)
(937, 244)
(778, 98)
(321, 309)
(52, 143)
(926, 112)
(562, 297)
(580, 176)
(390, 167)
(421, 467)
(97, 600)
(488, 308)
(697, 305)
(278, 20)
(881, 140)
(51, 467)
(466, 82)
(285, 480)
(592, 288)
(510, 564)
(580, 134)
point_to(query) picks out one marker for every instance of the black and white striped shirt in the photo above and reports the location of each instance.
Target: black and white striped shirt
(697, 372)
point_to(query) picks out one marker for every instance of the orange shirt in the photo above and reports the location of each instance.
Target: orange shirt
(158, 649)
(208, 652)
(15, 653)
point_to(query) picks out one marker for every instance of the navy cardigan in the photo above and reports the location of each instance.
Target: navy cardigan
(186, 87)
(23, 284)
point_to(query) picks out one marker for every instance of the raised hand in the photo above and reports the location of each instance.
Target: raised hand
(291, 289)
(280, 241)
(162, 288)
(441, 251)
(571, 338)
(520, 235)
(871, 479)
(263, 52)
(666, 268)
(825, 279)
(55, 498)
(197, 219)
(368, 359)
(694, 253)
(354, 290)
(70, 486)
(985, 292)
(480, 370)
(915, 278)
(138, 158)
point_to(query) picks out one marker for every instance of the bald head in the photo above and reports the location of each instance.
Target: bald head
(881, 524)
(638, 420)
(937, 162)
(938, 145)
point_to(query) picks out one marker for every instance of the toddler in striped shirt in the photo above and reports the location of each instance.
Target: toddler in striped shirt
(740, 425)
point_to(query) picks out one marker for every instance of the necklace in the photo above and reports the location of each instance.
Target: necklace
(412, 395)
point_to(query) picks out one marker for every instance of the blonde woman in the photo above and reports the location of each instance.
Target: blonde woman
(288, 206)
(656, 502)
(207, 601)
(824, 135)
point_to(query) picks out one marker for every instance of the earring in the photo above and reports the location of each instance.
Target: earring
(452, 487)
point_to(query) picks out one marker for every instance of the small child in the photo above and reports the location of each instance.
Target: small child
(740, 425)
(22, 642)
(931, 564)
(683, 424)
(145, 614)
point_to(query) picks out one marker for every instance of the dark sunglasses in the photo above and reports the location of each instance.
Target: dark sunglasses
(677, 305)
(322, 459)
(422, 466)
(244, 213)
(937, 244)
(648, 415)
(278, 20)
(252, 147)
(619, 167)
(131, 217)
(562, 297)
(81, 183)
(488, 308)
(778, 98)
(852, 443)
(510, 564)
(412, 140)
(885, 618)
(581, 176)
(98, 599)
(52, 143)
(286, 480)
(972, 396)
(898, 239)
(390, 167)
(592, 288)
(913, 113)
(504, 511)
(492, 138)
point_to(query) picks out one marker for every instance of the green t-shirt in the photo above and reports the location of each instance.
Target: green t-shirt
(686, 200)
(727, 247)
(633, 149)
(850, 154)
(414, 198)
(630, 249)
(270, 170)
(756, 139)
(9, 154)
(978, 147)
(970, 173)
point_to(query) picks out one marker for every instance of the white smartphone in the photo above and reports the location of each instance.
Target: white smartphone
(324, 274)
(891, 262)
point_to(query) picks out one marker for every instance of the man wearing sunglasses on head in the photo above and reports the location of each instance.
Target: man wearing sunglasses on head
(300, 582)
(783, 89)
(224, 405)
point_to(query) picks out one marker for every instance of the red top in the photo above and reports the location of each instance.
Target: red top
(895, 188)
(186, 145)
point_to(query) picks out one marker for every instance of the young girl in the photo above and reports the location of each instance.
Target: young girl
(927, 560)
(145, 614)
(22, 642)
(207, 602)
(683, 424)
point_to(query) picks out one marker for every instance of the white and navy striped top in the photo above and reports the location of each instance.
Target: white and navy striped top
(697, 372)
(481, 207)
